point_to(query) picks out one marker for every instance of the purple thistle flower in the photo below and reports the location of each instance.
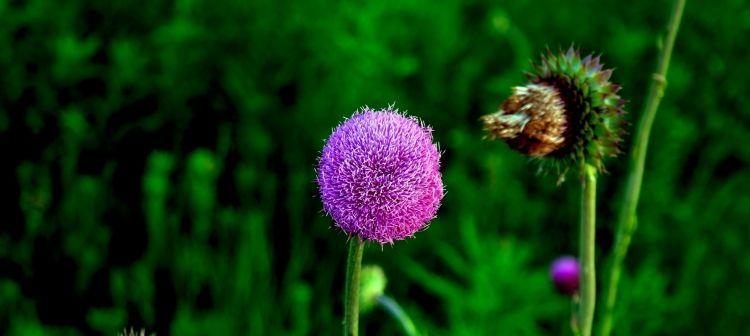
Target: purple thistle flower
(565, 273)
(379, 175)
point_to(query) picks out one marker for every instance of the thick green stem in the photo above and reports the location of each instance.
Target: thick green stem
(392, 307)
(587, 247)
(627, 219)
(351, 295)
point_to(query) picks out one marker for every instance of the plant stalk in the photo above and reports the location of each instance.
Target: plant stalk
(627, 220)
(392, 307)
(351, 294)
(587, 248)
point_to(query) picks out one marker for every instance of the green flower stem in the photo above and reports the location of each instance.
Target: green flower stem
(391, 306)
(587, 247)
(351, 295)
(627, 219)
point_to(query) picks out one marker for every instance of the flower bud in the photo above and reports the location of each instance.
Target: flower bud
(133, 332)
(372, 285)
(565, 273)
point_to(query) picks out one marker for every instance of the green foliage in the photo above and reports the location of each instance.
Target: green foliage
(158, 165)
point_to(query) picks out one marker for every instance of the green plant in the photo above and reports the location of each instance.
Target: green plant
(628, 219)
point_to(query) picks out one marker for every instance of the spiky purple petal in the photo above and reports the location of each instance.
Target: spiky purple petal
(379, 175)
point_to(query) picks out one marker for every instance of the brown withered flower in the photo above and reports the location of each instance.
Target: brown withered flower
(532, 121)
(568, 113)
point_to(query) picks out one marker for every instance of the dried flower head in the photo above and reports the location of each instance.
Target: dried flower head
(569, 111)
(537, 126)
(565, 273)
(379, 175)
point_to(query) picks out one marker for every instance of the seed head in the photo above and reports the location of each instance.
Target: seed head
(379, 175)
(532, 121)
(568, 112)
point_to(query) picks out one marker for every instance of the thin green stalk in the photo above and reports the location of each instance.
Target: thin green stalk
(351, 295)
(587, 247)
(627, 219)
(392, 307)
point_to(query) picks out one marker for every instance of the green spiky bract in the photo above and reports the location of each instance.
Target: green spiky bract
(594, 109)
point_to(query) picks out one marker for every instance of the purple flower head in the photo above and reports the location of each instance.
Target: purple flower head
(565, 273)
(379, 175)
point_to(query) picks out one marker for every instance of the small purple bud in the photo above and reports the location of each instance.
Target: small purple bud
(379, 175)
(565, 273)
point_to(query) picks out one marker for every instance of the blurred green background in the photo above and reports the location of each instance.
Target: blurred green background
(158, 165)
